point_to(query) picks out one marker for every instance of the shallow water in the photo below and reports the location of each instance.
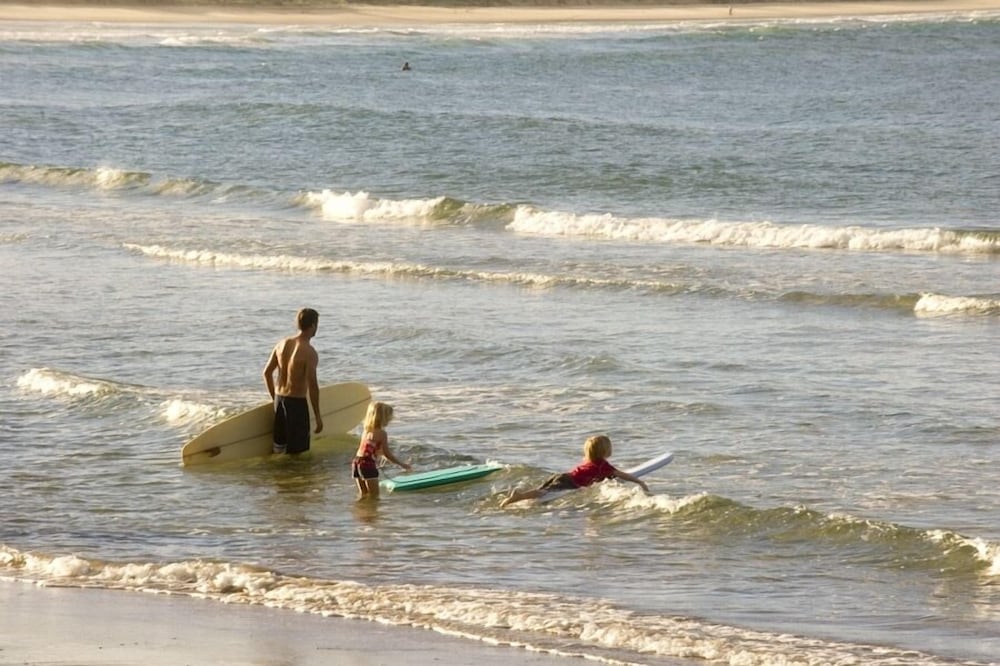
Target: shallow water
(768, 247)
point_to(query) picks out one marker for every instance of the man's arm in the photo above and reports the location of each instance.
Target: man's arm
(314, 391)
(272, 365)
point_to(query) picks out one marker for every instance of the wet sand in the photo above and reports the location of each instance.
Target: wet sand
(89, 627)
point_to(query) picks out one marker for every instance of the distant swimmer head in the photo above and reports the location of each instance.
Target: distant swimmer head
(406, 66)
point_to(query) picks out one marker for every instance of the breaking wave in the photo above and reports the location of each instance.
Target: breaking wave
(934, 305)
(47, 381)
(362, 207)
(113, 179)
(386, 269)
(185, 412)
(175, 411)
(101, 178)
(556, 624)
(922, 305)
(754, 234)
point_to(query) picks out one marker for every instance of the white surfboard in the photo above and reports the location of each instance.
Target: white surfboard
(249, 434)
(643, 469)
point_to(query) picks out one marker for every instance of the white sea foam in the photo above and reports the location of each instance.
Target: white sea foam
(932, 305)
(43, 568)
(385, 269)
(230, 260)
(181, 412)
(239, 37)
(529, 220)
(109, 178)
(986, 551)
(52, 382)
(629, 496)
(545, 622)
(361, 207)
(991, 553)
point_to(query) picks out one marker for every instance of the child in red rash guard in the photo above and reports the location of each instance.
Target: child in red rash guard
(594, 468)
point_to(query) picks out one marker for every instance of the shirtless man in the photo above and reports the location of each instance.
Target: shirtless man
(296, 360)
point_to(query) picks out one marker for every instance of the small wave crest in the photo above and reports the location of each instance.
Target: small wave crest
(174, 411)
(549, 623)
(628, 497)
(900, 302)
(881, 543)
(361, 206)
(390, 269)
(216, 38)
(184, 412)
(230, 260)
(114, 179)
(936, 305)
(956, 545)
(47, 381)
(529, 220)
(101, 178)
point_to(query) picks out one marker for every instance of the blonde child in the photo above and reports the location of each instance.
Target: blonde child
(374, 443)
(595, 467)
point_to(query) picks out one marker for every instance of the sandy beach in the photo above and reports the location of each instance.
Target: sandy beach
(394, 15)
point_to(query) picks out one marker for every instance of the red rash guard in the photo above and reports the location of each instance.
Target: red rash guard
(588, 472)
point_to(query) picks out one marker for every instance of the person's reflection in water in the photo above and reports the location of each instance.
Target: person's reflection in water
(366, 513)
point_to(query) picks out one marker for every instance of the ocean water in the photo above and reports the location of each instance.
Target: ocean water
(772, 248)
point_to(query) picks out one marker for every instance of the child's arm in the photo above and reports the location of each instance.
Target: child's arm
(629, 477)
(387, 452)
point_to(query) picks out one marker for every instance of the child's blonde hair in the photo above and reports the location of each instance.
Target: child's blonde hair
(597, 448)
(378, 416)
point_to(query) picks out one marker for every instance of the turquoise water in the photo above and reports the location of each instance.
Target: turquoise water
(771, 248)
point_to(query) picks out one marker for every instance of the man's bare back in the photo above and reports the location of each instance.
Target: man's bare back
(295, 358)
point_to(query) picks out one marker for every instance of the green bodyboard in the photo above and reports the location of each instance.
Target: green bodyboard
(439, 477)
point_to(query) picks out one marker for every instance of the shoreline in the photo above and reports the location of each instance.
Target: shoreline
(95, 627)
(358, 15)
